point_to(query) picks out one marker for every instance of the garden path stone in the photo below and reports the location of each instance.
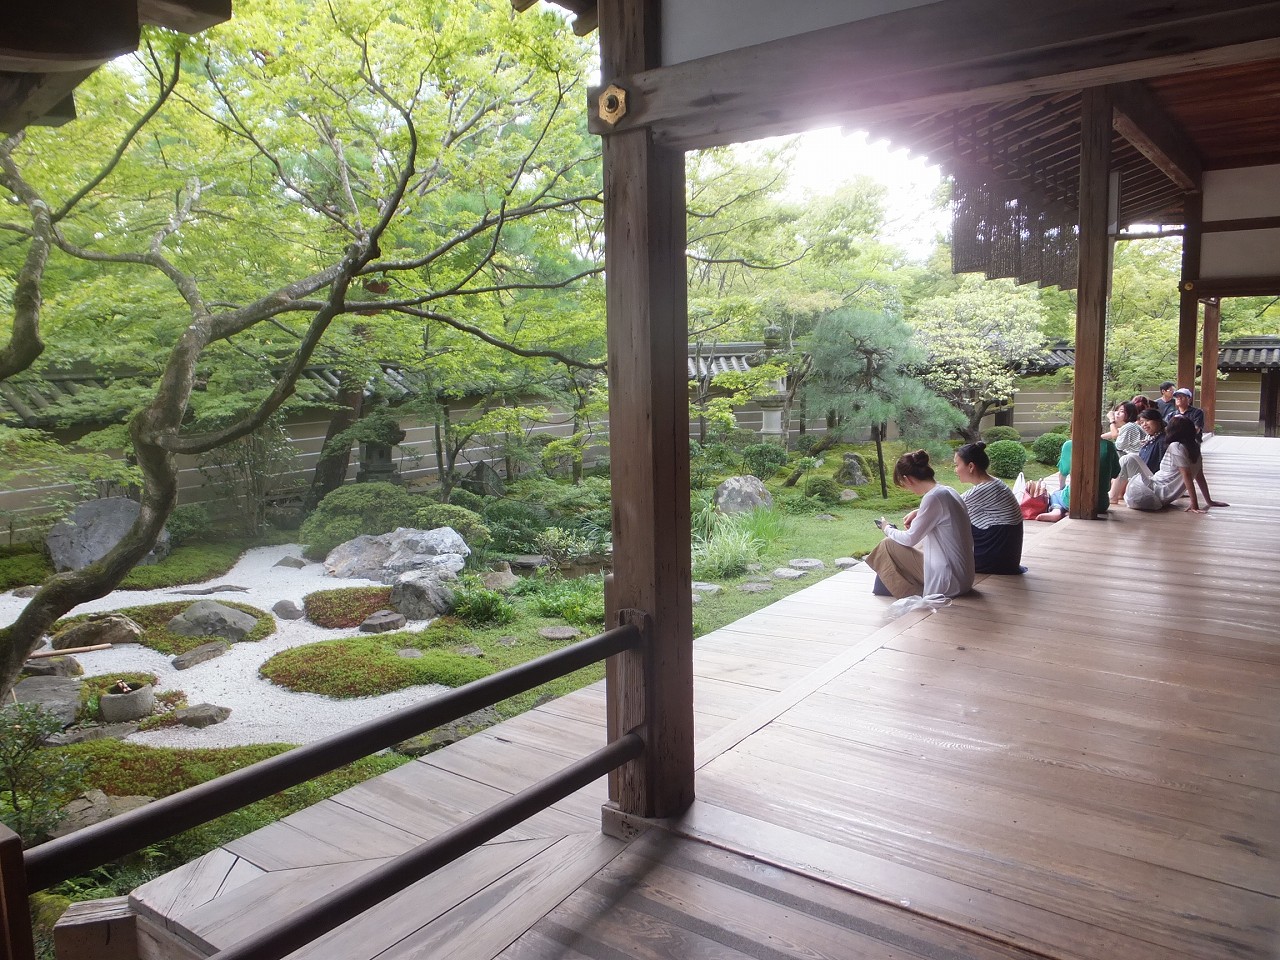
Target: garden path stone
(59, 696)
(447, 734)
(846, 563)
(53, 667)
(786, 573)
(382, 621)
(741, 495)
(202, 715)
(848, 496)
(710, 589)
(508, 641)
(288, 610)
(806, 563)
(206, 651)
(530, 561)
(296, 563)
(826, 517)
(209, 618)
(559, 633)
(422, 594)
(94, 806)
(752, 587)
(205, 591)
(409, 653)
(697, 599)
(90, 531)
(99, 628)
(470, 650)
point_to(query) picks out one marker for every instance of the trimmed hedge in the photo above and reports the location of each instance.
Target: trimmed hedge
(350, 511)
(1007, 458)
(1047, 448)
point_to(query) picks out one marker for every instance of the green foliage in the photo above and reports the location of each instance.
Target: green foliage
(377, 428)
(245, 471)
(479, 607)
(805, 443)
(764, 524)
(561, 546)
(188, 521)
(366, 666)
(709, 463)
(1048, 447)
(763, 459)
(190, 564)
(359, 508)
(579, 601)
(1007, 458)
(35, 783)
(153, 619)
(461, 497)
(346, 606)
(726, 554)
(824, 489)
(466, 523)
(514, 526)
(995, 434)
(23, 564)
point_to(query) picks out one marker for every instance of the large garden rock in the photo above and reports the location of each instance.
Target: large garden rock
(741, 495)
(852, 472)
(90, 531)
(383, 621)
(288, 610)
(59, 696)
(53, 667)
(500, 577)
(201, 715)
(386, 556)
(209, 618)
(423, 594)
(121, 707)
(202, 653)
(94, 806)
(99, 628)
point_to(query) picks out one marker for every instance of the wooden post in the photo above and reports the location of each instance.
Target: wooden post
(1209, 363)
(1091, 299)
(651, 688)
(15, 911)
(1189, 293)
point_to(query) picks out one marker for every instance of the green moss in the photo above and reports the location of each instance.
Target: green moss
(193, 564)
(22, 565)
(345, 607)
(366, 666)
(153, 618)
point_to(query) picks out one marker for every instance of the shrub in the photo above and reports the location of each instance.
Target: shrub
(765, 524)
(824, 489)
(350, 511)
(726, 554)
(35, 783)
(190, 564)
(763, 459)
(367, 666)
(514, 526)
(1007, 458)
(805, 443)
(345, 606)
(22, 565)
(462, 497)
(481, 607)
(561, 546)
(1047, 448)
(579, 601)
(188, 521)
(996, 434)
(466, 523)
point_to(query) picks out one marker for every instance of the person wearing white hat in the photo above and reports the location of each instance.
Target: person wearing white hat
(1182, 408)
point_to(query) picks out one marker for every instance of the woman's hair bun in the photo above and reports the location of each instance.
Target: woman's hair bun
(981, 444)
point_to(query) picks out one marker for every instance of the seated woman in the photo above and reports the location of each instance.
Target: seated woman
(940, 525)
(1125, 432)
(1181, 471)
(994, 513)
(1151, 452)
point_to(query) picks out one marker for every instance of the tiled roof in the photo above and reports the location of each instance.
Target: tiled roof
(723, 358)
(1250, 353)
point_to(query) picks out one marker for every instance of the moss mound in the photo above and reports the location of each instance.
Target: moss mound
(367, 666)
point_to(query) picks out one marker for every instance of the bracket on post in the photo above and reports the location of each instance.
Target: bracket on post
(611, 105)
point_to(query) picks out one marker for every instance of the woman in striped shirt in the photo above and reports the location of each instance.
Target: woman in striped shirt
(994, 513)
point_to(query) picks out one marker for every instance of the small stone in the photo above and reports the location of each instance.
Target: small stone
(53, 667)
(206, 651)
(508, 641)
(27, 593)
(848, 496)
(530, 562)
(697, 599)
(754, 567)
(382, 621)
(288, 610)
(470, 650)
(559, 633)
(500, 578)
(297, 563)
(786, 573)
(826, 517)
(94, 806)
(806, 563)
(409, 653)
(710, 589)
(201, 715)
(846, 563)
(755, 587)
(205, 591)
(97, 731)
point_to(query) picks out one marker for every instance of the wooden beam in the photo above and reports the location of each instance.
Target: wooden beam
(1240, 287)
(650, 689)
(1246, 223)
(27, 98)
(935, 57)
(1189, 292)
(70, 35)
(1091, 299)
(185, 16)
(15, 911)
(1209, 363)
(1141, 120)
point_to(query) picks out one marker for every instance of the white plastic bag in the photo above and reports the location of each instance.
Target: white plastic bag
(1020, 487)
(935, 601)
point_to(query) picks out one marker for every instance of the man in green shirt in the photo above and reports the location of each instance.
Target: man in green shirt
(1108, 470)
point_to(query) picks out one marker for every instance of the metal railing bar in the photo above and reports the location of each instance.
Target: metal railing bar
(79, 852)
(331, 911)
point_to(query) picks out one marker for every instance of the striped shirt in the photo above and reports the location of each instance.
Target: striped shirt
(992, 504)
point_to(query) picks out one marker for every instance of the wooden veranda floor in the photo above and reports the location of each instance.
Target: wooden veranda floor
(1080, 763)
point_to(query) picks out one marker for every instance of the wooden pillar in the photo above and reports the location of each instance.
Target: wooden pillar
(1091, 299)
(1209, 363)
(651, 688)
(1188, 290)
(15, 911)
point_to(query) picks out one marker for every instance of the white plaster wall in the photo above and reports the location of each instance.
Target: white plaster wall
(1240, 253)
(699, 28)
(1242, 193)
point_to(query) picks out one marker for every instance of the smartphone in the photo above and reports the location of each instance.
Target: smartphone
(880, 523)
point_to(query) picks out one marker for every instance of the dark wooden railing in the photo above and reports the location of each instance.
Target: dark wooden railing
(84, 850)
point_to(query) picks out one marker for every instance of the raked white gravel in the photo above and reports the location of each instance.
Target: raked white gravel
(260, 711)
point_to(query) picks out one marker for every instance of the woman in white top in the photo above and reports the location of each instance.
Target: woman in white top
(940, 525)
(1181, 470)
(1125, 432)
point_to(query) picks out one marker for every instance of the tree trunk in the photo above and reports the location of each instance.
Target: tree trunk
(879, 432)
(827, 441)
(331, 468)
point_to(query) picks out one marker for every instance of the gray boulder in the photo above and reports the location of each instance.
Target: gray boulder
(296, 563)
(423, 594)
(53, 667)
(206, 651)
(500, 577)
(99, 628)
(288, 610)
(806, 563)
(786, 573)
(130, 705)
(201, 715)
(209, 618)
(94, 806)
(382, 621)
(59, 696)
(741, 495)
(95, 731)
(27, 592)
(386, 556)
(90, 531)
(852, 472)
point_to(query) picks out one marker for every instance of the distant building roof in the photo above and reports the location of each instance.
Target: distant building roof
(716, 358)
(1250, 353)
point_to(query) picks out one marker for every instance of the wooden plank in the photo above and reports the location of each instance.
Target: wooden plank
(97, 930)
(1141, 120)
